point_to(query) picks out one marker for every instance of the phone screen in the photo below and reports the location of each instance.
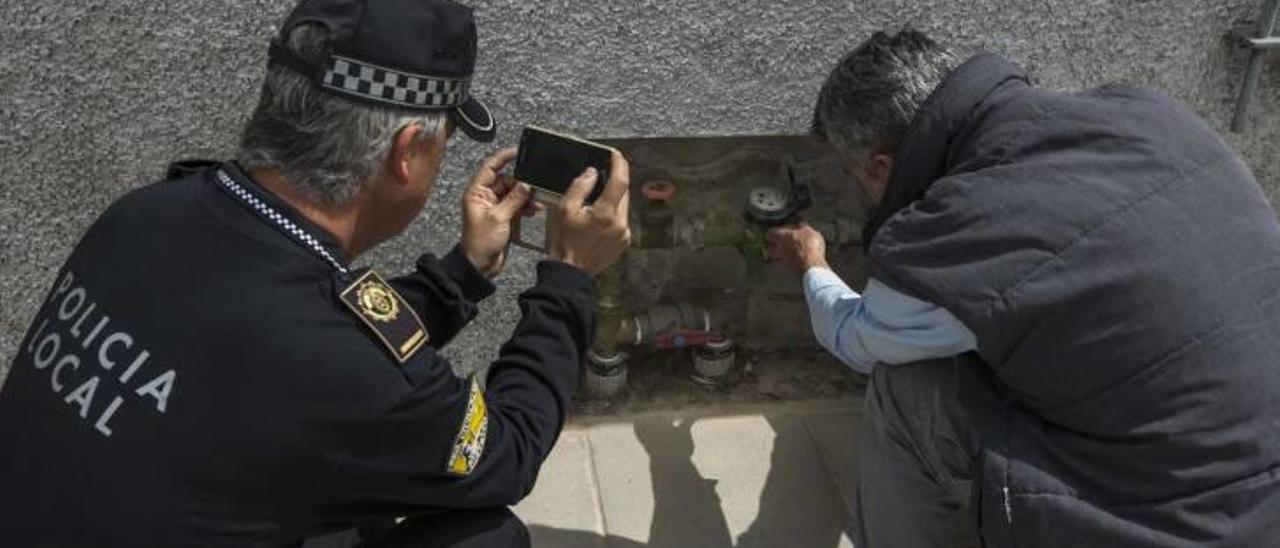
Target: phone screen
(551, 161)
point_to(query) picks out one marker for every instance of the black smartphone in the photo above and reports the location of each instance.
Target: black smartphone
(549, 161)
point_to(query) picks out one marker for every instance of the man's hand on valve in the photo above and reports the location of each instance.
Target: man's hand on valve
(799, 247)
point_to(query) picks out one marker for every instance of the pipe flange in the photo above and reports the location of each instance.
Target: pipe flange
(604, 364)
(718, 345)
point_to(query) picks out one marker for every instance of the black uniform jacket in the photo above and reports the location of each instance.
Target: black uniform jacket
(194, 380)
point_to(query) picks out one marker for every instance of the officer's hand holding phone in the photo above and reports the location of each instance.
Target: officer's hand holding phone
(489, 205)
(592, 237)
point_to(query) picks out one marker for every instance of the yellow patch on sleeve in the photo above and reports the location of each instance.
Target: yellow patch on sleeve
(469, 444)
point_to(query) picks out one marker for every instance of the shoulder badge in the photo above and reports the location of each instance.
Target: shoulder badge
(469, 444)
(385, 312)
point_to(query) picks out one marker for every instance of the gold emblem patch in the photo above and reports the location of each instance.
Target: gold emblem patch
(377, 301)
(386, 313)
(469, 444)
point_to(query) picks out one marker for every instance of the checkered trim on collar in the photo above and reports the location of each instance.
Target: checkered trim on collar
(279, 221)
(345, 75)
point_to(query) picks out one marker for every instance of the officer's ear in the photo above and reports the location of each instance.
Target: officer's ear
(405, 148)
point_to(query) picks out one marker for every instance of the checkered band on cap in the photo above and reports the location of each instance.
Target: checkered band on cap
(394, 87)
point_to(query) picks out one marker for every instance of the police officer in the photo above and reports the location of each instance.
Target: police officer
(208, 368)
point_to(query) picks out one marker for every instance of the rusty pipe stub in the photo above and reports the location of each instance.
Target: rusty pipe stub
(657, 218)
(659, 192)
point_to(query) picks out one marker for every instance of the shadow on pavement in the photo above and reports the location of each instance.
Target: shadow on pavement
(687, 510)
(798, 505)
(686, 507)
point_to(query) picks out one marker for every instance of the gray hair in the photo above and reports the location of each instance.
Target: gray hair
(870, 98)
(326, 146)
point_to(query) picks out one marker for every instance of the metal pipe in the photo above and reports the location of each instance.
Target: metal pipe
(1247, 91)
(606, 371)
(1259, 46)
(608, 297)
(661, 320)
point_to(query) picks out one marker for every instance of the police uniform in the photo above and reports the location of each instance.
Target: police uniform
(207, 370)
(196, 378)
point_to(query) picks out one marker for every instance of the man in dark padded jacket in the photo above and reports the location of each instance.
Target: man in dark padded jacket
(1104, 272)
(209, 370)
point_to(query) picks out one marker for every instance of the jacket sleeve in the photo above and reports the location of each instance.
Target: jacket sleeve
(406, 459)
(444, 292)
(881, 325)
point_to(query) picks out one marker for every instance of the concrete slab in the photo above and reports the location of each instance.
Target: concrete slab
(715, 482)
(626, 484)
(564, 509)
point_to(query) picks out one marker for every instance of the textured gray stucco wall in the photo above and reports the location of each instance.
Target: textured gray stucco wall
(96, 97)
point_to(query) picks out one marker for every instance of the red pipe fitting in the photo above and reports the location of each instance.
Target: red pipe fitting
(659, 192)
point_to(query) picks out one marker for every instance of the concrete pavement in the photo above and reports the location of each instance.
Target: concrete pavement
(778, 475)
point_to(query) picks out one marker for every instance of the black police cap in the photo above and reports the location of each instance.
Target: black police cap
(410, 54)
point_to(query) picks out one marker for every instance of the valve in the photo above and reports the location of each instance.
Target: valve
(657, 220)
(770, 206)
